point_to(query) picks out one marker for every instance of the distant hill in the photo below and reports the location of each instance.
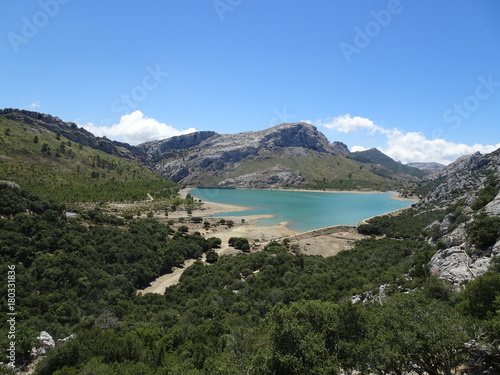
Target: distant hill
(286, 155)
(74, 133)
(426, 166)
(54, 159)
(386, 163)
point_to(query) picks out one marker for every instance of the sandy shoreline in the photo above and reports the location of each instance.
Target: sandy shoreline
(327, 241)
(247, 226)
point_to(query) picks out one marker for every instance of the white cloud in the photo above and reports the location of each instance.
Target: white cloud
(34, 105)
(347, 124)
(407, 147)
(358, 148)
(136, 128)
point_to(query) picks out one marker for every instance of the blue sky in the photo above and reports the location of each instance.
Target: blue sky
(420, 80)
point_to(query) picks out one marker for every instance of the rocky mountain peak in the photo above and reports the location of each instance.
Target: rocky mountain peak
(186, 158)
(298, 134)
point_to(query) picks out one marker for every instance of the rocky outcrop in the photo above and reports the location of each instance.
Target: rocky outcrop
(426, 166)
(155, 148)
(459, 184)
(455, 265)
(273, 177)
(493, 208)
(341, 148)
(45, 342)
(466, 174)
(10, 184)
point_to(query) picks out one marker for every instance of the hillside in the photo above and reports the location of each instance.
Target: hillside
(286, 155)
(385, 164)
(58, 160)
(384, 306)
(377, 308)
(426, 166)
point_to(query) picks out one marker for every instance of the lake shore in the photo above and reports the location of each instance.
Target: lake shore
(325, 242)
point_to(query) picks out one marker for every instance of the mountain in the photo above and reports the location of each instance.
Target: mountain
(286, 155)
(468, 234)
(74, 133)
(51, 158)
(386, 163)
(290, 154)
(431, 166)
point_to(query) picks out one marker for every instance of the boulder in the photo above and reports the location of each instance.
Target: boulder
(45, 342)
(453, 264)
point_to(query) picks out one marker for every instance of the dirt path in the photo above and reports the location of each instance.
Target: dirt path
(163, 282)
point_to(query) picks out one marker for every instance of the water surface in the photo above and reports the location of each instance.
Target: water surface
(303, 210)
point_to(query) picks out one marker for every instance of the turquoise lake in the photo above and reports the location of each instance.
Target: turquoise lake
(303, 210)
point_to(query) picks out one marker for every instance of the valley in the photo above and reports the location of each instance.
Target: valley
(129, 272)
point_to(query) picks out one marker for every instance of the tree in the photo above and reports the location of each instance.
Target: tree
(183, 229)
(212, 256)
(303, 338)
(214, 242)
(239, 243)
(413, 333)
(480, 295)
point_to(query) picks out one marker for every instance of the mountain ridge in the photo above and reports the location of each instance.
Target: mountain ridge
(231, 160)
(376, 156)
(75, 133)
(285, 155)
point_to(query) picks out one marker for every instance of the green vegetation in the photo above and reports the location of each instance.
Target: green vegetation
(320, 170)
(239, 243)
(50, 165)
(71, 271)
(374, 156)
(267, 312)
(408, 224)
(484, 231)
(486, 194)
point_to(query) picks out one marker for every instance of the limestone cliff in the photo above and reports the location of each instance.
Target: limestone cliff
(461, 185)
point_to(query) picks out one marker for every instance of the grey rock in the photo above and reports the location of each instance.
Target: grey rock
(462, 178)
(192, 157)
(457, 237)
(426, 166)
(45, 342)
(493, 208)
(341, 148)
(154, 148)
(453, 264)
(272, 177)
(10, 184)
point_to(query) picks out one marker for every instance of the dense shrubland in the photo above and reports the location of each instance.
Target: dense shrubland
(268, 312)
